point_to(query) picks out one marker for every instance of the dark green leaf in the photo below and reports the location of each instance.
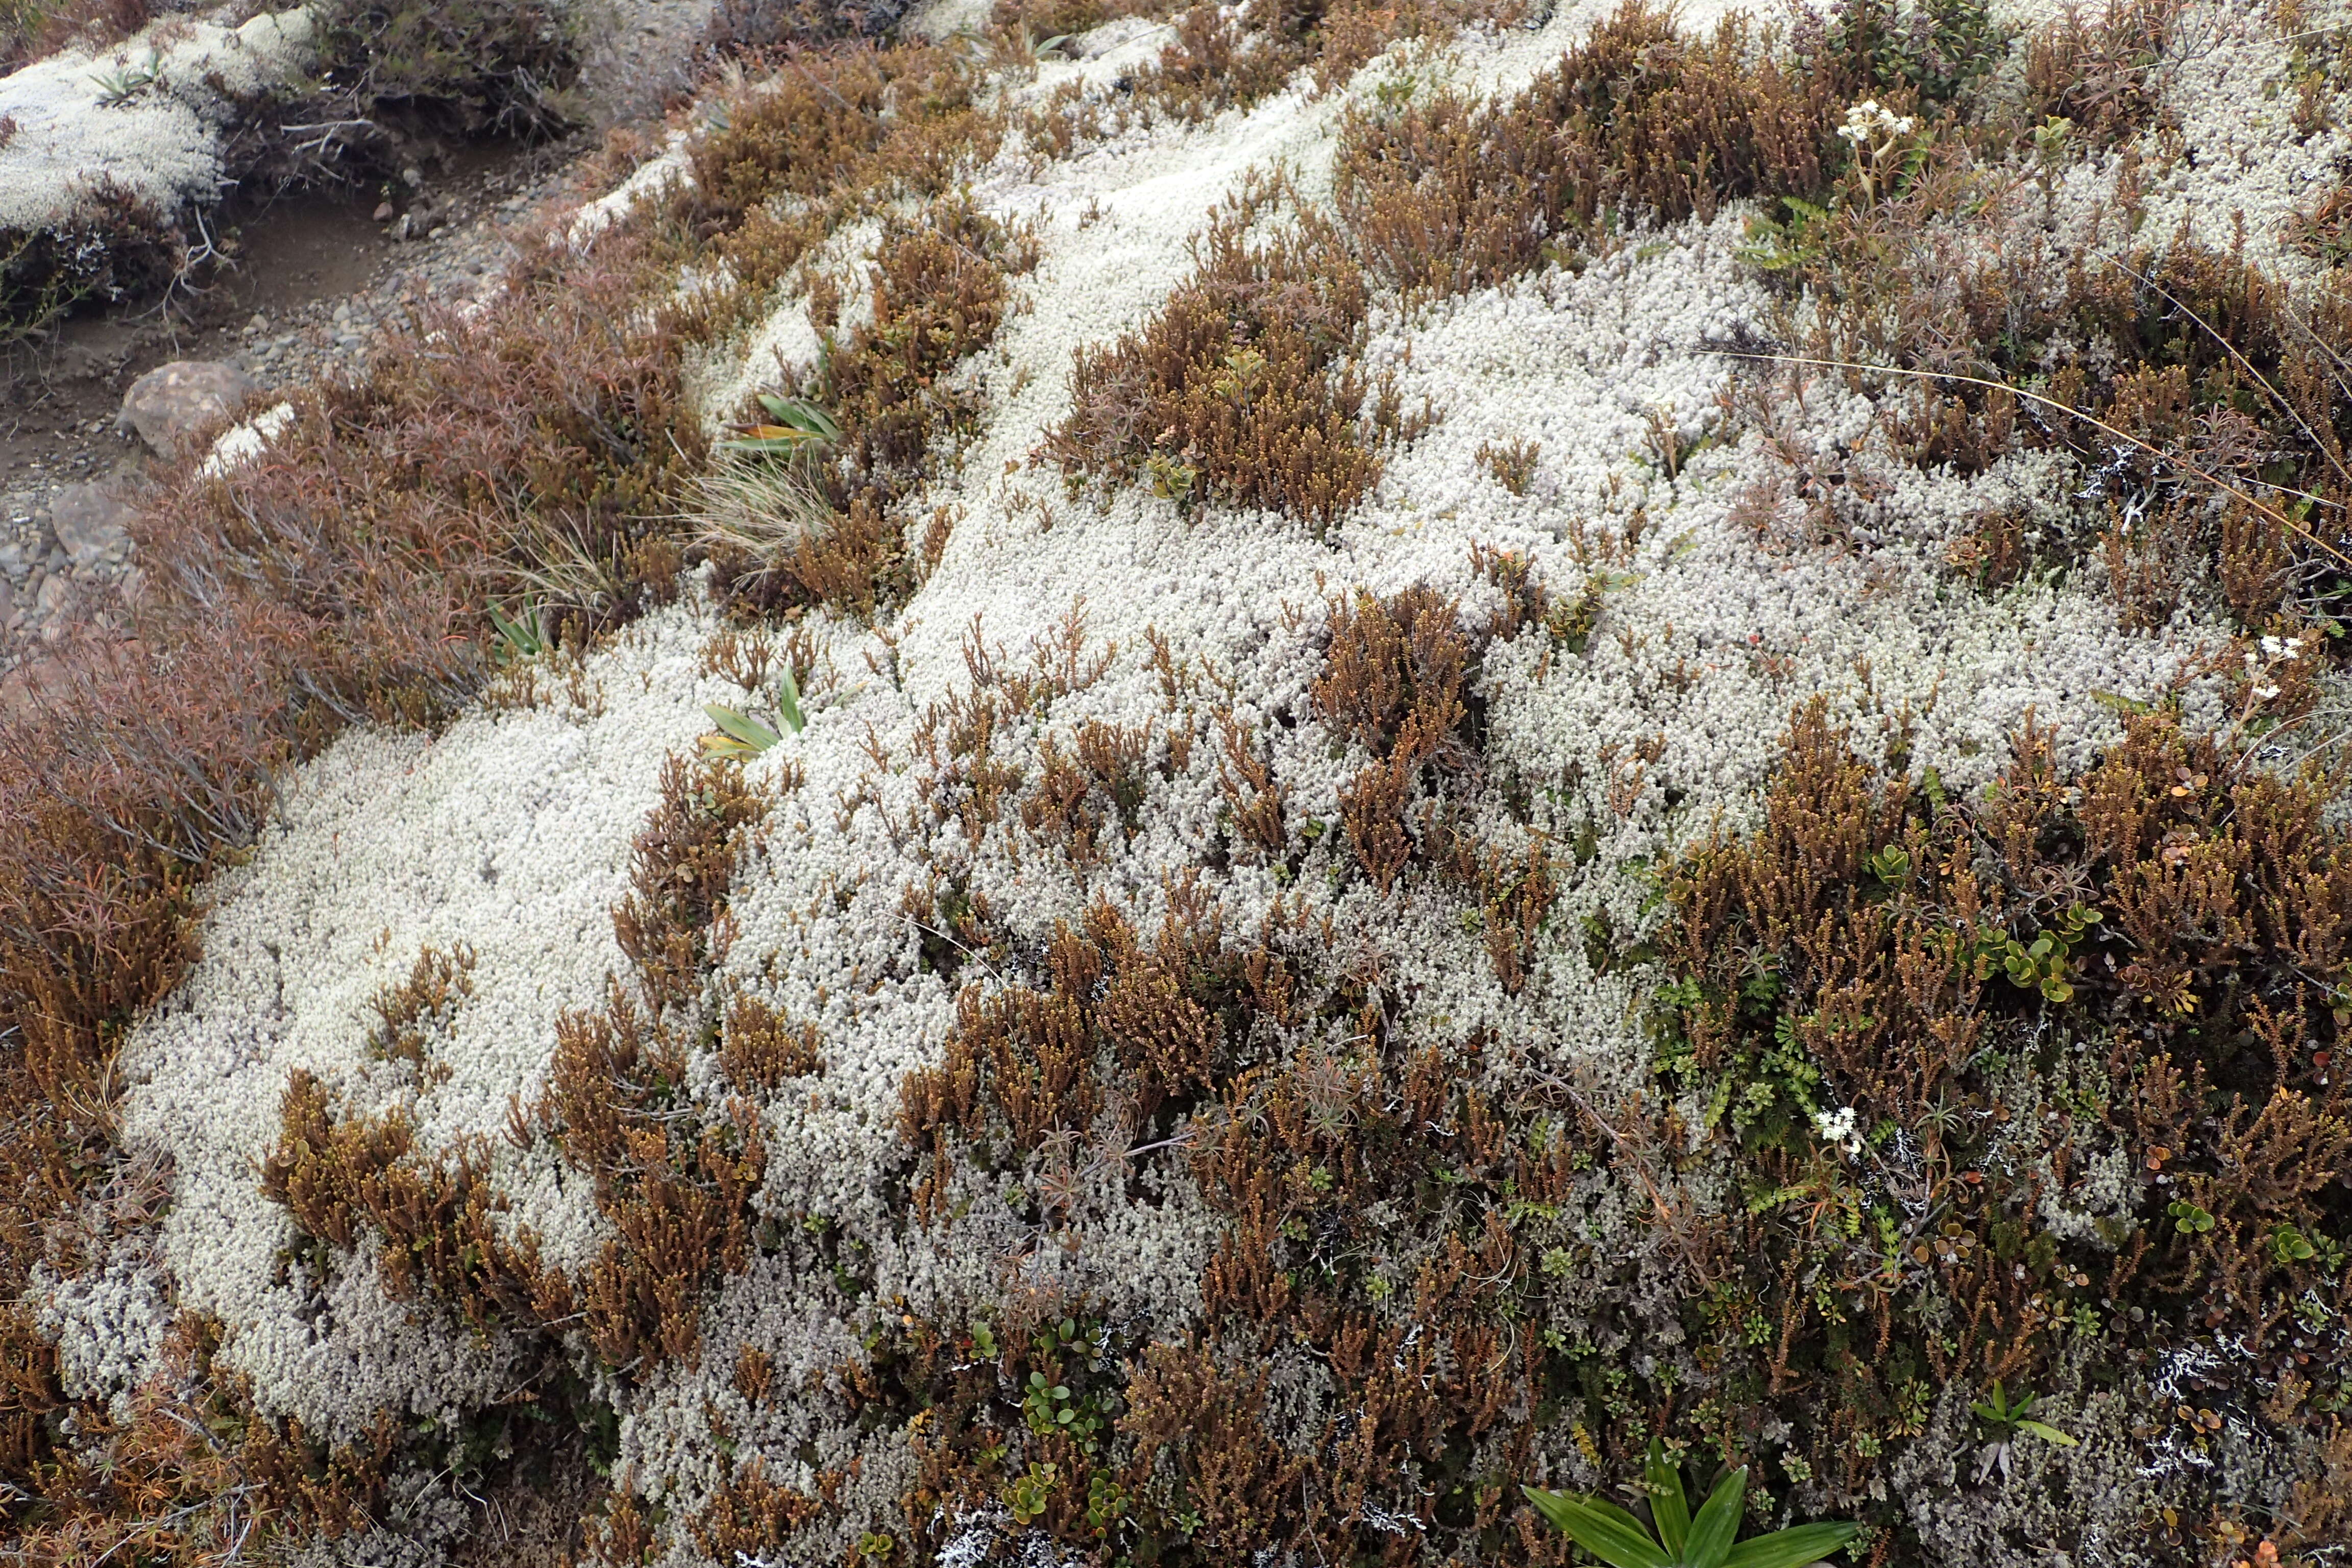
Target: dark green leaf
(1718, 1523)
(1603, 1529)
(1791, 1548)
(1668, 1507)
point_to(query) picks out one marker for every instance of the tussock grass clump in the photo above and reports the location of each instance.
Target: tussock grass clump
(1240, 389)
(824, 524)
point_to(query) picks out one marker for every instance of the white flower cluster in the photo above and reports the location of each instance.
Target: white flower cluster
(1869, 123)
(1838, 1127)
(2277, 650)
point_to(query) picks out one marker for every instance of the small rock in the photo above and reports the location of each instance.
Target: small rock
(383, 211)
(171, 400)
(56, 607)
(257, 325)
(7, 606)
(90, 524)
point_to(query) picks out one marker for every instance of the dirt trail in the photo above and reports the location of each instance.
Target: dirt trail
(309, 278)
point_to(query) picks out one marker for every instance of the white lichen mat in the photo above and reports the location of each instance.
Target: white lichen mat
(511, 832)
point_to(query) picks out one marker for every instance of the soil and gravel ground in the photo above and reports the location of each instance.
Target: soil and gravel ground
(308, 276)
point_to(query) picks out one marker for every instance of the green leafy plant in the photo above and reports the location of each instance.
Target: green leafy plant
(524, 639)
(1676, 1539)
(742, 737)
(1027, 1495)
(2001, 1414)
(2009, 1423)
(122, 86)
(2040, 965)
(797, 426)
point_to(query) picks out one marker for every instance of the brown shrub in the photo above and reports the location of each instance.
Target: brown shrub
(940, 288)
(2324, 232)
(33, 30)
(1881, 947)
(750, 1516)
(1449, 196)
(841, 133)
(674, 1185)
(679, 872)
(1021, 1066)
(674, 1178)
(2100, 71)
(1238, 388)
(2219, 461)
(939, 293)
(413, 1012)
(759, 1048)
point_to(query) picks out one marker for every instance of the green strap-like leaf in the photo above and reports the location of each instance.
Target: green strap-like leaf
(806, 418)
(1602, 1528)
(1718, 1523)
(2048, 1433)
(749, 731)
(788, 704)
(1791, 1548)
(1668, 1507)
(521, 638)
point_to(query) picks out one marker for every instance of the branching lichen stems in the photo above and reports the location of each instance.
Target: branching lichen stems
(2043, 401)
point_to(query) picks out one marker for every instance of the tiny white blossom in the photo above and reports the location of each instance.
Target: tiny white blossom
(1838, 1127)
(2272, 646)
(2266, 692)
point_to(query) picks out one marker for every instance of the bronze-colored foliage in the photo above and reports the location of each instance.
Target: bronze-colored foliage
(1450, 196)
(679, 872)
(1239, 388)
(939, 289)
(750, 1516)
(413, 1012)
(760, 1048)
(1023, 1062)
(2219, 466)
(674, 1183)
(2098, 69)
(1880, 947)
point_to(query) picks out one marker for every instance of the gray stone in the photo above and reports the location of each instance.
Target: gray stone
(8, 606)
(93, 525)
(171, 401)
(57, 606)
